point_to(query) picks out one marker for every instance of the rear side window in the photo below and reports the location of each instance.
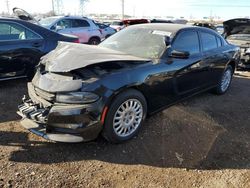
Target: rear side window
(80, 23)
(219, 42)
(187, 41)
(12, 31)
(209, 41)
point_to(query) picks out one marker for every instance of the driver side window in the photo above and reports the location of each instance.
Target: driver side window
(187, 41)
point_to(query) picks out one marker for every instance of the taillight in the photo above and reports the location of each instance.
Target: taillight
(76, 41)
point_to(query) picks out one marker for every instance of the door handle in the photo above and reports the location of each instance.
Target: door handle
(36, 44)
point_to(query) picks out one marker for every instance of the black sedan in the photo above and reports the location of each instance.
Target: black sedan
(21, 46)
(80, 91)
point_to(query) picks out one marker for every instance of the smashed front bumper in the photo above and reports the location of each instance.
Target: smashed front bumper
(59, 122)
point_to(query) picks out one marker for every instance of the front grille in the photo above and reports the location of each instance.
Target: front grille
(45, 95)
(33, 111)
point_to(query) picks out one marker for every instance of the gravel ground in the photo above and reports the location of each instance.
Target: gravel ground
(202, 142)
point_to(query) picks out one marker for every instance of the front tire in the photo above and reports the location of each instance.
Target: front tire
(125, 116)
(225, 81)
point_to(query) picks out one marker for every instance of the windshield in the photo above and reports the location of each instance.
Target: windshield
(47, 21)
(239, 37)
(140, 42)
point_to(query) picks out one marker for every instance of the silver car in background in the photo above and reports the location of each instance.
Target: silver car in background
(84, 28)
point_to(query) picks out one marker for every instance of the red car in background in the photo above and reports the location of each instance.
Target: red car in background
(135, 21)
(119, 25)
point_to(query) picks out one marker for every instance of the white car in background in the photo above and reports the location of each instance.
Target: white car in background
(84, 28)
(118, 25)
(106, 30)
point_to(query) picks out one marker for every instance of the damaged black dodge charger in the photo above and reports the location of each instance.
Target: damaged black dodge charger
(80, 91)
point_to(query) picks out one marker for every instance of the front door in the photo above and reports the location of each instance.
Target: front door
(192, 72)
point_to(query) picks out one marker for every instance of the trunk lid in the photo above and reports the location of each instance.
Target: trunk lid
(23, 15)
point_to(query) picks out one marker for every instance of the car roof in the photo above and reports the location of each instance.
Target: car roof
(170, 27)
(9, 19)
(71, 17)
(173, 28)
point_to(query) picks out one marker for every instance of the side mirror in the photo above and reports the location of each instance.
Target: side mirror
(167, 40)
(179, 54)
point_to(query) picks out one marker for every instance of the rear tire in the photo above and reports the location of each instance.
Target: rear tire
(125, 116)
(94, 41)
(225, 81)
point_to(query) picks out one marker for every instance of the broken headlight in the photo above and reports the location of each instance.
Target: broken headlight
(77, 97)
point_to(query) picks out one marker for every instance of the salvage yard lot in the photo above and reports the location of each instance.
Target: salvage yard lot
(202, 142)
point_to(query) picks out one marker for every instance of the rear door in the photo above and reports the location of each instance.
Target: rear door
(213, 55)
(20, 49)
(82, 29)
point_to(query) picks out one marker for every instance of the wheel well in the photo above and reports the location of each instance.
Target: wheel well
(124, 90)
(95, 37)
(233, 64)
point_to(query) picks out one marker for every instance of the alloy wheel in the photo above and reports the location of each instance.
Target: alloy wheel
(128, 118)
(226, 79)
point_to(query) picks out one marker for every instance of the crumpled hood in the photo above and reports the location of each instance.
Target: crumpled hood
(70, 56)
(237, 26)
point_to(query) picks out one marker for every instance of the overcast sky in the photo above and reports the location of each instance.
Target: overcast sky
(138, 8)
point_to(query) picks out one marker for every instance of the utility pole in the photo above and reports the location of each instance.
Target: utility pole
(8, 6)
(122, 9)
(53, 7)
(81, 7)
(57, 7)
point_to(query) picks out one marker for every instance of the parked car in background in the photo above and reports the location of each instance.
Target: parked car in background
(160, 21)
(85, 29)
(106, 31)
(237, 32)
(220, 29)
(129, 22)
(23, 15)
(180, 21)
(83, 91)
(205, 24)
(22, 44)
(118, 25)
